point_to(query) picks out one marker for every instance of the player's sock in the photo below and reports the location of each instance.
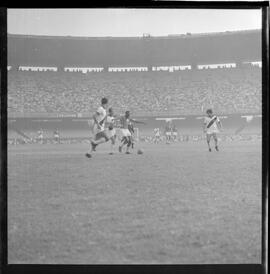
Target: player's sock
(216, 147)
(209, 149)
(111, 152)
(94, 145)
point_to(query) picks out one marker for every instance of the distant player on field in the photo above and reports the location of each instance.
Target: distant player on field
(174, 133)
(168, 132)
(156, 135)
(212, 126)
(56, 136)
(40, 136)
(100, 135)
(127, 137)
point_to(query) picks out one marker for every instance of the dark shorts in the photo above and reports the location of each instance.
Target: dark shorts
(100, 135)
(209, 135)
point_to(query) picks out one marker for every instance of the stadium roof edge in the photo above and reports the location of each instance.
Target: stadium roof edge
(170, 36)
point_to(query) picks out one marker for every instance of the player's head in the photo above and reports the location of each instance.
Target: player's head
(104, 102)
(127, 113)
(110, 111)
(209, 112)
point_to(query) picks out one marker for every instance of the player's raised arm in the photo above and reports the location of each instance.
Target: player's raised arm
(137, 122)
(219, 124)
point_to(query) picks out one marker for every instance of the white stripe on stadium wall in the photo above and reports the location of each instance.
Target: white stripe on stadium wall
(30, 68)
(127, 69)
(213, 66)
(221, 117)
(169, 119)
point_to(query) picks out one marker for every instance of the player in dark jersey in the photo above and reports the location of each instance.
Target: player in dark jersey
(125, 128)
(174, 133)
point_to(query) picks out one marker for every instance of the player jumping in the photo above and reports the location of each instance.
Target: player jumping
(212, 126)
(127, 138)
(100, 135)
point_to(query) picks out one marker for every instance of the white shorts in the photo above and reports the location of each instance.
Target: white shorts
(211, 131)
(175, 134)
(168, 133)
(157, 135)
(110, 132)
(125, 132)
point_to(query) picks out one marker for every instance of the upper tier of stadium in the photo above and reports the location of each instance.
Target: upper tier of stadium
(186, 49)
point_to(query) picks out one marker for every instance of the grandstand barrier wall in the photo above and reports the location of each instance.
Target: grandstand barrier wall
(78, 126)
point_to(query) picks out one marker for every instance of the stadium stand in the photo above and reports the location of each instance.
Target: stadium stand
(227, 90)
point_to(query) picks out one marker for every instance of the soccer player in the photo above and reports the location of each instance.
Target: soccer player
(40, 136)
(174, 133)
(212, 126)
(127, 138)
(100, 135)
(132, 131)
(111, 133)
(56, 136)
(156, 135)
(168, 132)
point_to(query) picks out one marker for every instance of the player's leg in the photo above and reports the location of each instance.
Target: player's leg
(124, 141)
(100, 137)
(128, 144)
(216, 141)
(208, 138)
(132, 141)
(113, 140)
(91, 149)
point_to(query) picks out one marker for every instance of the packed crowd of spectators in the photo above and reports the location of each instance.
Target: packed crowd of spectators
(231, 90)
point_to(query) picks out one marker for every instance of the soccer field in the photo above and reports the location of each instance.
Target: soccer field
(175, 204)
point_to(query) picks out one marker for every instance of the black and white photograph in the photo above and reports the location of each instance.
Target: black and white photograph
(134, 136)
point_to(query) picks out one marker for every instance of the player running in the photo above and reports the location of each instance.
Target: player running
(127, 138)
(212, 126)
(100, 135)
(111, 133)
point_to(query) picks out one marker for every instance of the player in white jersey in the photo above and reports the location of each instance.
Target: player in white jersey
(212, 126)
(111, 133)
(156, 135)
(40, 136)
(100, 135)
